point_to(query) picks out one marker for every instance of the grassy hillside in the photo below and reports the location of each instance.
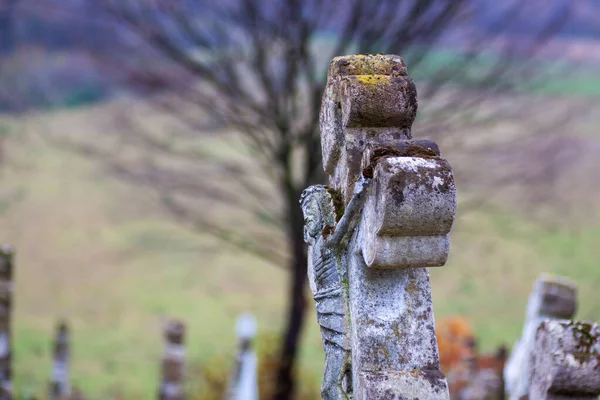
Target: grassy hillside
(102, 255)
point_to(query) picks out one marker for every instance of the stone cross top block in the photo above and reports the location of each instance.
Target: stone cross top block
(552, 297)
(368, 99)
(566, 361)
(385, 216)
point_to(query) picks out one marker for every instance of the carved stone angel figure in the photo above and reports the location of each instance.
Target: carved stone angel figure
(324, 234)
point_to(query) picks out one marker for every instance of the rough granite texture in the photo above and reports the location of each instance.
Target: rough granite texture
(379, 254)
(566, 361)
(552, 297)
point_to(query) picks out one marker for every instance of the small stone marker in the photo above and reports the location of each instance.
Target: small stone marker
(485, 381)
(243, 382)
(553, 297)
(59, 387)
(173, 362)
(6, 285)
(566, 361)
(77, 395)
(385, 215)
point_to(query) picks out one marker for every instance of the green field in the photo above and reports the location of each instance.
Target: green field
(102, 255)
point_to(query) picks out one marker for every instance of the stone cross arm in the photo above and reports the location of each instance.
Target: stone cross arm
(410, 212)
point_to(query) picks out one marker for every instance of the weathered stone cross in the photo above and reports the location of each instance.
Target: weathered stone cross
(366, 268)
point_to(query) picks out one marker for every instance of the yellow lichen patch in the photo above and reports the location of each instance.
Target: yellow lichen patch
(373, 79)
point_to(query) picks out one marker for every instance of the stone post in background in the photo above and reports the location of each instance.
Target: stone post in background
(566, 361)
(407, 195)
(243, 381)
(173, 362)
(59, 386)
(6, 287)
(485, 381)
(553, 297)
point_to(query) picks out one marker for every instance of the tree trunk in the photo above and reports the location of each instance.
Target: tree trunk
(285, 384)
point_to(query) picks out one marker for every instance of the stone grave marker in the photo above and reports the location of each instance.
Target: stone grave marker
(173, 362)
(6, 287)
(552, 297)
(243, 381)
(384, 217)
(59, 386)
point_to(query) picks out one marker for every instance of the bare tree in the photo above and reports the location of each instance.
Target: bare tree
(258, 67)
